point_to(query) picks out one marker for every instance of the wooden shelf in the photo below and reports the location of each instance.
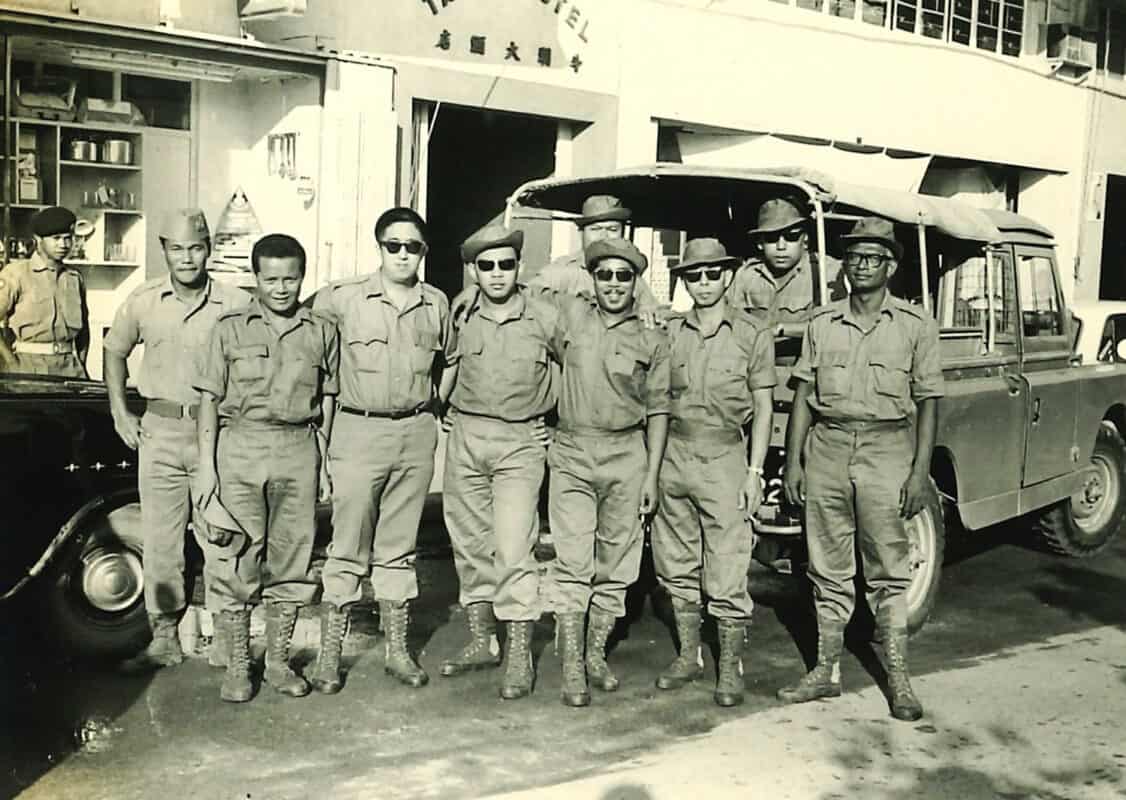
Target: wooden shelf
(109, 127)
(125, 212)
(99, 165)
(29, 206)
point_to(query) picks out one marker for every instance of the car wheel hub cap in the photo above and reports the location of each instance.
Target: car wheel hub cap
(112, 581)
(1095, 499)
(920, 554)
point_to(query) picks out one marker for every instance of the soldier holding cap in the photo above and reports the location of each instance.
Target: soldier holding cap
(868, 381)
(605, 460)
(172, 317)
(44, 303)
(722, 377)
(500, 377)
(382, 440)
(261, 380)
(778, 285)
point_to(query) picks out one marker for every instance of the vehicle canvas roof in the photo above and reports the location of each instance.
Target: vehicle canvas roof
(722, 199)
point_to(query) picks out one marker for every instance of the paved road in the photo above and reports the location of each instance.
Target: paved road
(1022, 669)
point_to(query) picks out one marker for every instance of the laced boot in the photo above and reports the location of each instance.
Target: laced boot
(398, 662)
(281, 619)
(729, 686)
(236, 686)
(569, 635)
(518, 672)
(164, 650)
(483, 651)
(824, 680)
(904, 704)
(598, 630)
(334, 626)
(686, 667)
(220, 646)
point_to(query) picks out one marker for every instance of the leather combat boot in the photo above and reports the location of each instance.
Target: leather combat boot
(598, 630)
(399, 662)
(518, 673)
(334, 626)
(164, 649)
(281, 619)
(483, 651)
(217, 653)
(569, 639)
(824, 680)
(686, 667)
(236, 686)
(904, 704)
(729, 685)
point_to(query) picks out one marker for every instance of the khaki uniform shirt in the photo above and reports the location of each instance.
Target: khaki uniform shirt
(568, 274)
(42, 304)
(264, 376)
(712, 377)
(871, 375)
(388, 357)
(504, 368)
(615, 374)
(173, 332)
(784, 300)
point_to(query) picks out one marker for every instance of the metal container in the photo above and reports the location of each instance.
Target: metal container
(82, 150)
(117, 151)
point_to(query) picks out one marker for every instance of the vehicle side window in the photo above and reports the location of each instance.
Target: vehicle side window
(1039, 297)
(964, 308)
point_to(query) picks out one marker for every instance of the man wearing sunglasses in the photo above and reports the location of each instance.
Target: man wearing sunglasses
(605, 460)
(499, 387)
(868, 381)
(722, 377)
(778, 284)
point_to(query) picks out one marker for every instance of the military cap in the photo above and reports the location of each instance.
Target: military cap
(184, 225)
(778, 214)
(53, 221)
(616, 248)
(704, 252)
(216, 518)
(489, 237)
(600, 207)
(875, 229)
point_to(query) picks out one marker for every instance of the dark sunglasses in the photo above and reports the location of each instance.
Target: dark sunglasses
(414, 247)
(789, 234)
(505, 264)
(619, 275)
(714, 274)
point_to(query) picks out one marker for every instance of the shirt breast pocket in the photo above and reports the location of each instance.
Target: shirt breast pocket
(728, 376)
(426, 347)
(250, 365)
(630, 364)
(891, 375)
(298, 388)
(832, 375)
(368, 349)
(679, 377)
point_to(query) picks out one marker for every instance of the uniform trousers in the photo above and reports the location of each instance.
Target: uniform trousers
(701, 542)
(854, 473)
(268, 481)
(491, 486)
(381, 471)
(595, 492)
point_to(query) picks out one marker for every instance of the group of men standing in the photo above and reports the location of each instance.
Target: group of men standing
(256, 405)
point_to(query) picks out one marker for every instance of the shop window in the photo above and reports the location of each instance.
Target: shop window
(163, 103)
(1039, 297)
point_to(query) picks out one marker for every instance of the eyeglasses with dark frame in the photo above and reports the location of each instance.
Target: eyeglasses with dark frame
(487, 265)
(866, 260)
(693, 275)
(414, 247)
(619, 275)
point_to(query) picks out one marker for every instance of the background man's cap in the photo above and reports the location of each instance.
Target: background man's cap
(875, 229)
(53, 221)
(602, 207)
(705, 252)
(489, 237)
(616, 248)
(777, 214)
(184, 225)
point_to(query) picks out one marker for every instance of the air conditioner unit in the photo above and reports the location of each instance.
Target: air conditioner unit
(269, 9)
(1071, 46)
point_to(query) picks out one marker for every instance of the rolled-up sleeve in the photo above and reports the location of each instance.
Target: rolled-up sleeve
(331, 383)
(926, 364)
(760, 368)
(211, 365)
(657, 380)
(125, 332)
(803, 369)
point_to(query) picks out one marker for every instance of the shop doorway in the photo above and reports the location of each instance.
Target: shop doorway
(1112, 269)
(475, 158)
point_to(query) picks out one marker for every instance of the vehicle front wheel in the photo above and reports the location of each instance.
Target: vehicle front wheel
(926, 538)
(1088, 521)
(95, 589)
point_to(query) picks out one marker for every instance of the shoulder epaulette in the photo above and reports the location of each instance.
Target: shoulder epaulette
(340, 283)
(235, 312)
(910, 308)
(837, 305)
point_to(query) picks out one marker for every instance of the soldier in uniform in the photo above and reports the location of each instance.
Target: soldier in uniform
(500, 376)
(383, 434)
(722, 376)
(605, 460)
(778, 285)
(173, 317)
(868, 381)
(261, 381)
(44, 304)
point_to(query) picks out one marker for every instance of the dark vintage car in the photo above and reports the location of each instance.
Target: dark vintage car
(71, 519)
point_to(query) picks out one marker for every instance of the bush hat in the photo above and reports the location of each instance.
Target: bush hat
(601, 207)
(705, 252)
(874, 229)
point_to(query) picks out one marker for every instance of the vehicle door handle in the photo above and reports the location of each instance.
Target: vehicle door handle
(1015, 382)
(1036, 411)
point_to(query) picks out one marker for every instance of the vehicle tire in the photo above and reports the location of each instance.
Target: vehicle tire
(926, 536)
(94, 605)
(1088, 521)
